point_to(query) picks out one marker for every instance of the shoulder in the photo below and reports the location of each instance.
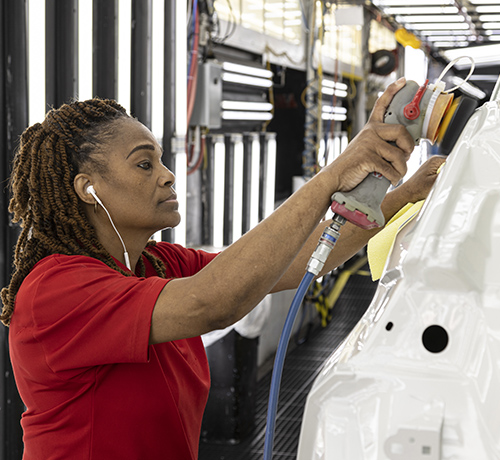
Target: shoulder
(81, 285)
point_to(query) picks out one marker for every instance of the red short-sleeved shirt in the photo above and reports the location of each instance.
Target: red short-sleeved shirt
(93, 387)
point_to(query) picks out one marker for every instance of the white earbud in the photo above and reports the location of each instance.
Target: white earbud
(90, 189)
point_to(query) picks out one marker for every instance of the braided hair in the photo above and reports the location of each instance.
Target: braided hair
(44, 201)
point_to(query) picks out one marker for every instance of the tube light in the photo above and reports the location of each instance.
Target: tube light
(448, 44)
(236, 115)
(484, 2)
(85, 49)
(432, 19)
(488, 8)
(158, 58)
(383, 3)
(344, 142)
(331, 109)
(447, 38)
(489, 17)
(270, 179)
(439, 25)
(238, 188)
(244, 105)
(246, 70)
(481, 54)
(421, 10)
(331, 91)
(124, 52)
(180, 171)
(446, 32)
(334, 116)
(36, 61)
(180, 160)
(332, 84)
(246, 80)
(218, 199)
(254, 182)
(491, 25)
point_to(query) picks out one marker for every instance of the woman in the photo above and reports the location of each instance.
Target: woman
(105, 348)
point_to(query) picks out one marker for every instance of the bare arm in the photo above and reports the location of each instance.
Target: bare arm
(239, 278)
(353, 238)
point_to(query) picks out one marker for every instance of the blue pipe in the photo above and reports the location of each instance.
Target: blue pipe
(279, 362)
(316, 263)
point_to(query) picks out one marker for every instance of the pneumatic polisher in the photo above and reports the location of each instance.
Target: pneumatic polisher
(427, 112)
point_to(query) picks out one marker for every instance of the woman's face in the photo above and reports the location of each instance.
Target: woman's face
(136, 187)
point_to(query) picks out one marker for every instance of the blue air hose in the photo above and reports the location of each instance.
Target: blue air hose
(279, 362)
(325, 245)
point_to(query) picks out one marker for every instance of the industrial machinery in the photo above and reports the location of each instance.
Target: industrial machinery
(418, 377)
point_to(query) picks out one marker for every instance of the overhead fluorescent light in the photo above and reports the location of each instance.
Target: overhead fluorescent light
(240, 115)
(218, 193)
(383, 3)
(447, 38)
(484, 54)
(331, 109)
(494, 38)
(430, 18)
(331, 92)
(484, 2)
(489, 17)
(255, 182)
(244, 105)
(488, 8)
(270, 180)
(333, 116)
(405, 10)
(246, 80)
(449, 44)
(246, 70)
(491, 25)
(237, 187)
(331, 84)
(439, 26)
(446, 32)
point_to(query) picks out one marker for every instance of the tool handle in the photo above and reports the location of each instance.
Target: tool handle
(361, 205)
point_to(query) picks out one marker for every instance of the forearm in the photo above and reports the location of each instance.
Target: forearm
(352, 239)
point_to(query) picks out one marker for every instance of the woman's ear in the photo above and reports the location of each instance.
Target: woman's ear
(81, 183)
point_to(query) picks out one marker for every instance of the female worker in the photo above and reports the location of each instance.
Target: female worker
(108, 358)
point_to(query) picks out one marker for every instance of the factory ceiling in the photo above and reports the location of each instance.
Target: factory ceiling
(450, 29)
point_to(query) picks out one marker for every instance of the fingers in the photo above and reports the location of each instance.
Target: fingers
(393, 145)
(397, 135)
(435, 163)
(383, 101)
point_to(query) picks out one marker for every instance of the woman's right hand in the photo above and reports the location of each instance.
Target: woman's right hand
(371, 149)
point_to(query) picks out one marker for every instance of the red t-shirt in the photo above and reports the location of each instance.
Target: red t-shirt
(93, 387)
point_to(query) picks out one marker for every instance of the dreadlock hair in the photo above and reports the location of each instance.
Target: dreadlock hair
(44, 201)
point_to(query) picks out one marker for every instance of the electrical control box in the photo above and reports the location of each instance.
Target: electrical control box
(207, 105)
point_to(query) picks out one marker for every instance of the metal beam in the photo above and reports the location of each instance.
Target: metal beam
(13, 120)
(61, 57)
(105, 49)
(141, 73)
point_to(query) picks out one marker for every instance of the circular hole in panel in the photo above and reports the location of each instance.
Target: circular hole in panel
(389, 326)
(435, 338)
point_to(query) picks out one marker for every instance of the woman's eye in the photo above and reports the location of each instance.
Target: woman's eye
(145, 165)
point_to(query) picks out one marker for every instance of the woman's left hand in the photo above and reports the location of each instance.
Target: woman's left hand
(418, 186)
